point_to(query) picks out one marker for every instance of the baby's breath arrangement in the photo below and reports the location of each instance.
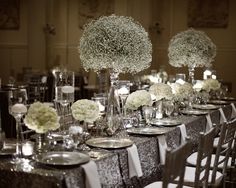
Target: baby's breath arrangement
(191, 48)
(115, 42)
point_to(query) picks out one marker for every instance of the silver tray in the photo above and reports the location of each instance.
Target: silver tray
(194, 112)
(165, 122)
(218, 102)
(148, 131)
(109, 143)
(205, 106)
(62, 158)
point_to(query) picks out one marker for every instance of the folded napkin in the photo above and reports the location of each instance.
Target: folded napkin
(162, 148)
(233, 114)
(222, 116)
(183, 133)
(91, 175)
(134, 162)
(209, 124)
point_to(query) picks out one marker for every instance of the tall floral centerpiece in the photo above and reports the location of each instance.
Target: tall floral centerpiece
(191, 48)
(119, 44)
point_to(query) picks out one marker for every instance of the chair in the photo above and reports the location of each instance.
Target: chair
(174, 167)
(220, 160)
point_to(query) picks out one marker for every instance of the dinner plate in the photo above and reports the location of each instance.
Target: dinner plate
(62, 158)
(165, 122)
(194, 112)
(109, 143)
(218, 102)
(205, 106)
(148, 130)
(228, 99)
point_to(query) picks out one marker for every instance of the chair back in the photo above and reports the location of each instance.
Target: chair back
(205, 150)
(175, 165)
(224, 148)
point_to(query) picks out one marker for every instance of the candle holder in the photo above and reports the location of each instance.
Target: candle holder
(123, 91)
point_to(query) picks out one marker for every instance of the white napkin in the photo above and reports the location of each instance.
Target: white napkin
(162, 148)
(91, 175)
(222, 116)
(209, 124)
(183, 133)
(233, 114)
(134, 162)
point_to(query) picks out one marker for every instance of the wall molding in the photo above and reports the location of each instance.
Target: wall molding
(13, 45)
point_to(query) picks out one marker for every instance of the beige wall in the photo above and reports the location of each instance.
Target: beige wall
(30, 46)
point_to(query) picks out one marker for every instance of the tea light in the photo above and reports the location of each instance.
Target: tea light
(27, 149)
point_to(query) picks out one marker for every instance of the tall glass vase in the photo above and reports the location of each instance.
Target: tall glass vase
(191, 70)
(113, 107)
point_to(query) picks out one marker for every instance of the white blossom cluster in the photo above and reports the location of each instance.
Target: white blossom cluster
(161, 91)
(137, 99)
(85, 110)
(191, 48)
(115, 42)
(211, 85)
(41, 118)
(182, 91)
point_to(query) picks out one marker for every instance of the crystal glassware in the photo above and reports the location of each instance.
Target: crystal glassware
(168, 107)
(148, 114)
(180, 78)
(123, 91)
(17, 108)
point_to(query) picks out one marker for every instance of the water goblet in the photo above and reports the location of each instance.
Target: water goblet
(148, 114)
(17, 108)
(169, 108)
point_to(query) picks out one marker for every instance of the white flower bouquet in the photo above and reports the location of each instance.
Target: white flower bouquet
(137, 99)
(41, 118)
(115, 42)
(161, 91)
(211, 85)
(182, 91)
(85, 110)
(191, 48)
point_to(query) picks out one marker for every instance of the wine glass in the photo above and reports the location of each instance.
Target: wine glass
(148, 114)
(64, 92)
(17, 108)
(169, 107)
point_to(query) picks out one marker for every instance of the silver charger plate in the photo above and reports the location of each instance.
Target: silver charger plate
(165, 122)
(194, 112)
(148, 131)
(109, 143)
(62, 158)
(218, 102)
(205, 106)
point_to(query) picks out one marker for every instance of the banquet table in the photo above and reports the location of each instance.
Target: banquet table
(112, 165)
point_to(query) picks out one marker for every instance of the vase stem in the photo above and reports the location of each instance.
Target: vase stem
(191, 75)
(18, 153)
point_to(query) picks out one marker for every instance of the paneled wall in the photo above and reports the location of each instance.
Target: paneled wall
(36, 47)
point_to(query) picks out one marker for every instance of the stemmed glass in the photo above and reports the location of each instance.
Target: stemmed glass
(64, 92)
(148, 114)
(123, 91)
(169, 107)
(17, 108)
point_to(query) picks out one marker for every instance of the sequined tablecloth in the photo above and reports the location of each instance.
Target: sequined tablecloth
(112, 164)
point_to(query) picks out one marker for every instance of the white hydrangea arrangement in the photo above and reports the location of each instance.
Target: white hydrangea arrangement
(137, 99)
(41, 118)
(85, 110)
(115, 42)
(191, 48)
(211, 85)
(182, 91)
(161, 91)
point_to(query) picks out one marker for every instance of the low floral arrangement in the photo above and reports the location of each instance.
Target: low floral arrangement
(137, 99)
(85, 110)
(161, 91)
(211, 85)
(115, 42)
(182, 91)
(41, 118)
(191, 48)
